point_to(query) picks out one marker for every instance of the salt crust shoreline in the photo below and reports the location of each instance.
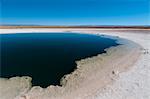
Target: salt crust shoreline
(105, 71)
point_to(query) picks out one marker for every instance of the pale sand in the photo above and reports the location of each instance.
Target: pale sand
(133, 83)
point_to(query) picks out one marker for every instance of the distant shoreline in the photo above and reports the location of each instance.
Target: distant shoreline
(74, 27)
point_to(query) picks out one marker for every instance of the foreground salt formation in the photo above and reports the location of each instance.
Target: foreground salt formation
(92, 75)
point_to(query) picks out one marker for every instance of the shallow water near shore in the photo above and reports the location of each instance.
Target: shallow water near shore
(47, 57)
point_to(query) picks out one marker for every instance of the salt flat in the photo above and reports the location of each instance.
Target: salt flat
(126, 77)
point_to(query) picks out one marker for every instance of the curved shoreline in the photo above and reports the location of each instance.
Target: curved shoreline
(105, 71)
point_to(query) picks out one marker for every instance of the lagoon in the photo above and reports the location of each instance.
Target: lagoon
(47, 57)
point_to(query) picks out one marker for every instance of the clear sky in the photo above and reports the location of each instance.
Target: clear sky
(75, 12)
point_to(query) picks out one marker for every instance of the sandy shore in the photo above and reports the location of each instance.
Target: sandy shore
(127, 76)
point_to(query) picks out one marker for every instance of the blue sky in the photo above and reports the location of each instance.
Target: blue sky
(75, 12)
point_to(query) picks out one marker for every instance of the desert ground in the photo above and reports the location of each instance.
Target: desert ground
(121, 73)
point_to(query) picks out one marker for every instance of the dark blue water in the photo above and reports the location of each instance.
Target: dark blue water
(47, 57)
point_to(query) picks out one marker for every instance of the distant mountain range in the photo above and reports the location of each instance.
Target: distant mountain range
(79, 26)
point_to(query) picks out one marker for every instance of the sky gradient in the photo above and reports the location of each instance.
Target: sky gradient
(75, 12)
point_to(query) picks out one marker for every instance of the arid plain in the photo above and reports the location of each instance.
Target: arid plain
(121, 73)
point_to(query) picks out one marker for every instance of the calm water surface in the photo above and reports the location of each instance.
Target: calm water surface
(47, 57)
